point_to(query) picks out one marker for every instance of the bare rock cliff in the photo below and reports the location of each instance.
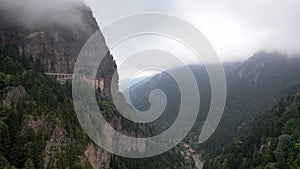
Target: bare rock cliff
(54, 40)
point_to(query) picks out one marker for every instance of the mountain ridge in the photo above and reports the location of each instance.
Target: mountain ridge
(253, 85)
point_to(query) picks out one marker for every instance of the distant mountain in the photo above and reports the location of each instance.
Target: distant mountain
(123, 84)
(253, 86)
(139, 93)
(252, 90)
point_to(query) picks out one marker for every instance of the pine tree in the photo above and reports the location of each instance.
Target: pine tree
(28, 164)
(3, 162)
(17, 152)
(4, 139)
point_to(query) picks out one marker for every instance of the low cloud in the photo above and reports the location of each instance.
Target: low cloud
(236, 29)
(33, 13)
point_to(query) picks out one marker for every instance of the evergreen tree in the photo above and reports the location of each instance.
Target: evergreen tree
(28, 164)
(4, 164)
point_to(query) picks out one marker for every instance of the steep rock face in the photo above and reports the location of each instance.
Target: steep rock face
(57, 144)
(55, 42)
(14, 95)
(56, 46)
(97, 157)
(263, 64)
(270, 68)
(113, 141)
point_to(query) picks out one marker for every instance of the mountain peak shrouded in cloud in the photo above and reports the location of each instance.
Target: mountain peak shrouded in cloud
(52, 31)
(42, 13)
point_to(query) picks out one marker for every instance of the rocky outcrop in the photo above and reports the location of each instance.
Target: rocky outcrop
(58, 142)
(55, 43)
(14, 95)
(97, 157)
(56, 145)
(269, 68)
(56, 46)
(40, 124)
(253, 74)
(139, 146)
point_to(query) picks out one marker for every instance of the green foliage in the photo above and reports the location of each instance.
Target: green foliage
(24, 147)
(28, 164)
(168, 160)
(4, 164)
(272, 142)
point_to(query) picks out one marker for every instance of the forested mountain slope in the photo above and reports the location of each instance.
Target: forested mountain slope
(272, 141)
(252, 88)
(39, 127)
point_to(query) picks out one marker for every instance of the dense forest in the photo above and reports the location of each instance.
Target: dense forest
(39, 128)
(253, 88)
(272, 141)
(30, 97)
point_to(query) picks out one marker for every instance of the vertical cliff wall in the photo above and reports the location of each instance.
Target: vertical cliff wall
(54, 36)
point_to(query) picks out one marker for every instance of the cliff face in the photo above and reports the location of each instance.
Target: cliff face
(97, 157)
(55, 42)
(56, 45)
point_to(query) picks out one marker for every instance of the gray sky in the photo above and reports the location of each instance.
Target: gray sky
(235, 28)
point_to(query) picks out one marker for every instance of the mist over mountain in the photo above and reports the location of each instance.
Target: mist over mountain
(253, 86)
(42, 13)
(124, 84)
(252, 90)
(39, 127)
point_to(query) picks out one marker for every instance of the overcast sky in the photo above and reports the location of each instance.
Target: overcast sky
(235, 28)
